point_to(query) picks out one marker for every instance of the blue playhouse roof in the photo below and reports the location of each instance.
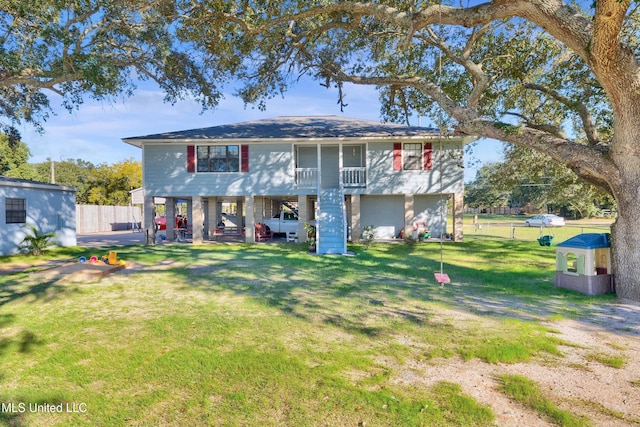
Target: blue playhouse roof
(588, 241)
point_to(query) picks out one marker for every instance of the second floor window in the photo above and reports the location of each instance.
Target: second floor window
(412, 156)
(218, 158)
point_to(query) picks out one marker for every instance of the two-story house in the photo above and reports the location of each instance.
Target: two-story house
(340, 173)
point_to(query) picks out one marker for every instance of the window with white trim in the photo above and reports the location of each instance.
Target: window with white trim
(412, 156)
(218, 158)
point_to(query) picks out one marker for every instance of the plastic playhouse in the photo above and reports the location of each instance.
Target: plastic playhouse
(583, 264)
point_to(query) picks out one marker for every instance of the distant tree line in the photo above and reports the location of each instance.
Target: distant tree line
(101, 184)
(527, 177)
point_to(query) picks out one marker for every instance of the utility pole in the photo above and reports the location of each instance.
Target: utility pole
(53, 171)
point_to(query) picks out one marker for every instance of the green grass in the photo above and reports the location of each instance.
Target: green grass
(270, 335)
(527, 393)
(613, 361)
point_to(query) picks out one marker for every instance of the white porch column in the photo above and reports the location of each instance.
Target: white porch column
(303, 216)
(197, 218)
(189, 212)
(458, 210)
(250, 221)
(356, 226)
(148, 225)
(258, 202)
(409, 214)
(212, 208)
(170, 216)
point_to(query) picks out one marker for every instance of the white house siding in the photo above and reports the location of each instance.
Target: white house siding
(382, 179)
(270, 172)
(50, 207)
(390, 200)
(427, 209)
(386, 213)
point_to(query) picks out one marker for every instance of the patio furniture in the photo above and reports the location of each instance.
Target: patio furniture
(263, 233)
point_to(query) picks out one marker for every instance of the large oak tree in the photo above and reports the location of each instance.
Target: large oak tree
(91, 48)
(559, 77)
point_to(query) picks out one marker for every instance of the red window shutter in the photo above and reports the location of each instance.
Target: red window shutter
(397, 156)
(191, 158)
(428, 156)
(244, 158)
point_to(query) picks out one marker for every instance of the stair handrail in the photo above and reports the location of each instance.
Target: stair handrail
(343, 210)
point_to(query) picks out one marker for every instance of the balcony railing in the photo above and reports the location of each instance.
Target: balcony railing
(307, 178)
(354, 177)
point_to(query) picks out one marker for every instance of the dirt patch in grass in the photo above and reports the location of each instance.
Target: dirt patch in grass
(575, 381)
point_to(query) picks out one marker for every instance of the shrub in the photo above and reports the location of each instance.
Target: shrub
(368, 235)
(410, 240)
(311, 236)
(36, 242)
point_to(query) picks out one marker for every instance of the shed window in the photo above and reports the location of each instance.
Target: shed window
(16, 211)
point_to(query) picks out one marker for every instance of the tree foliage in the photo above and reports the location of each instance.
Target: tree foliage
(105, 184)
(532, 177)
(14, 156)
(528, 177)
(75, 173)
(483, 191)
(93, 48)
(110, 184)
(526, 72)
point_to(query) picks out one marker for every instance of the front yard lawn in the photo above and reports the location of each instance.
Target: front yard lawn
(268, 334)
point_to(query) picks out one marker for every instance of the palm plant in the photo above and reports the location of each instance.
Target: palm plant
(35, 241)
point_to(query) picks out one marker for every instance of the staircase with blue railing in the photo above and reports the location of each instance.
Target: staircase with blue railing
(331, 222)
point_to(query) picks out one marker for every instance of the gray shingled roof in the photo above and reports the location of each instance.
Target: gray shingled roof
(6, 181)
(292, 127)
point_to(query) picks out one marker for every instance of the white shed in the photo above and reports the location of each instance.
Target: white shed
(50, 207)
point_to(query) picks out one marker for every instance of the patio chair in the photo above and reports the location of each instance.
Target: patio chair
(263, 233)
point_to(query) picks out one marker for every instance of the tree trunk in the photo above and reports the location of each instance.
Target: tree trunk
(625, 238)
(625, 242)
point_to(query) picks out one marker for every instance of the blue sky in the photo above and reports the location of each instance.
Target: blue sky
(94, 131)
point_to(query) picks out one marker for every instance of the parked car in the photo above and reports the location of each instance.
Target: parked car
(545, 220)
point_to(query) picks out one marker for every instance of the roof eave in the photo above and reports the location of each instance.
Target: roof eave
(140, 142)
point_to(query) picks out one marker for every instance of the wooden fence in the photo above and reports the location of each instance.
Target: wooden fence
(98, 219)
